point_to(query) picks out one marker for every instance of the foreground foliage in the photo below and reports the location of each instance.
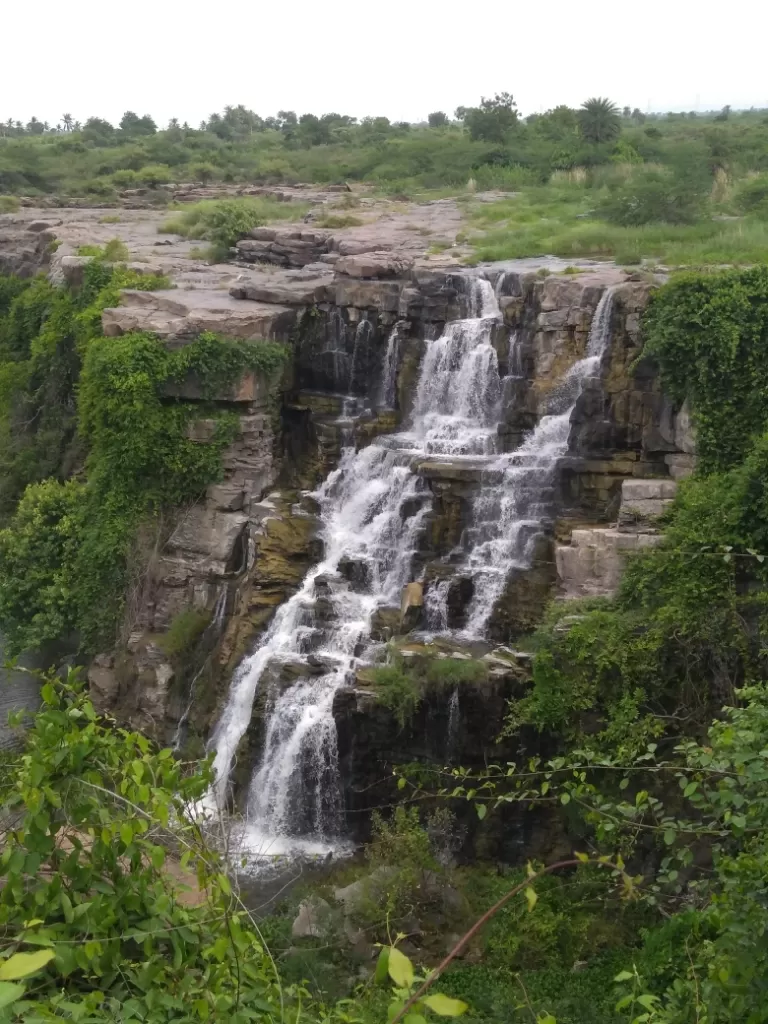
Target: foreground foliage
(98, 846)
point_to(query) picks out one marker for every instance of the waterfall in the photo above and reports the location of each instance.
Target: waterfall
(515, 356)
(436, 607)
(513, 500)
(372, 509)
(211, 633)
(454, 727)
(362, 335)
(388, 388)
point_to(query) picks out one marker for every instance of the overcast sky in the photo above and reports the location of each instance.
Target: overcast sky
(398, 58)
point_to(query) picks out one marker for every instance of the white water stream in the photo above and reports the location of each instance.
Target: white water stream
(372, 509)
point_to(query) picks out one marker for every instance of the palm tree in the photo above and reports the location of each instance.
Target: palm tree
(66, 120)
(599, 120)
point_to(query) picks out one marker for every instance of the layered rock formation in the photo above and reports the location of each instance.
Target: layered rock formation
(358, 310)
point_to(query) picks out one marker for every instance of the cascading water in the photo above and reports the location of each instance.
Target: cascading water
(436, 607)
(388, 387)
(372, 509)
(512, 502)
(454, 727)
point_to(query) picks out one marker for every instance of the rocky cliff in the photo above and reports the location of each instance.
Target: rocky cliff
(357, 309)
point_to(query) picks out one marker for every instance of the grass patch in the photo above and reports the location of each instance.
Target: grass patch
(401, 685)
(110, 218)
(184, 632)
(453, 671)
(8, 204)
(339, 220)
(115, 251)
(560, 221)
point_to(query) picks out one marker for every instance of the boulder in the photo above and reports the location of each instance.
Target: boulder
(374, 265)
(411, 606)
(312, 920)
(592, 564)
(643, 502)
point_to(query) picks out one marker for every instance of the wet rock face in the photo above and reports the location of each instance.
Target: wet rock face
(444, 729)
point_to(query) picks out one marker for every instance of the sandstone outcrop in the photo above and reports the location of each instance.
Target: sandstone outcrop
(591, 564)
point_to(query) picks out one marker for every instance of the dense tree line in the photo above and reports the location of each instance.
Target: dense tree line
(489, 142)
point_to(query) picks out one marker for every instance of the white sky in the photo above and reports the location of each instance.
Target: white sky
(398, 58)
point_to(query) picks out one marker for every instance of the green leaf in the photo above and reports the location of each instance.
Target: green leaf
(66, 906)
(402, 783)
(546, 1018)
(400, 968)
(690, 789)
(21, 965)
(647, 1000)
(565, 798)
(444, 1006)
(624, 976)
(669, 836)
(531, 897)
(414, 1018)
(382, 966)
(482, 810)
(9, 993)
(126, 833)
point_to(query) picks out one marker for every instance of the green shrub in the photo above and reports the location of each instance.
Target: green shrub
(336, 220)
(113, 251)
(224, 221)
(751, 196)
(397, 690)
(154, 175)
(656, 195)
(8, 204)
(184, 632)
(125, 177)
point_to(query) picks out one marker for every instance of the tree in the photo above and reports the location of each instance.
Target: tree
(599, 120)
(97, 130)
(204, 172)
(67, 121)
(437, 119)
(134, 125)
(35, 127)
(558, 125)
(492, 120)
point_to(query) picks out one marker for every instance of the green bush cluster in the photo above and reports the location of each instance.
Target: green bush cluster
(44, 332)
(709, 335)
(223, 221)
(687, 625)
(137, 460)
